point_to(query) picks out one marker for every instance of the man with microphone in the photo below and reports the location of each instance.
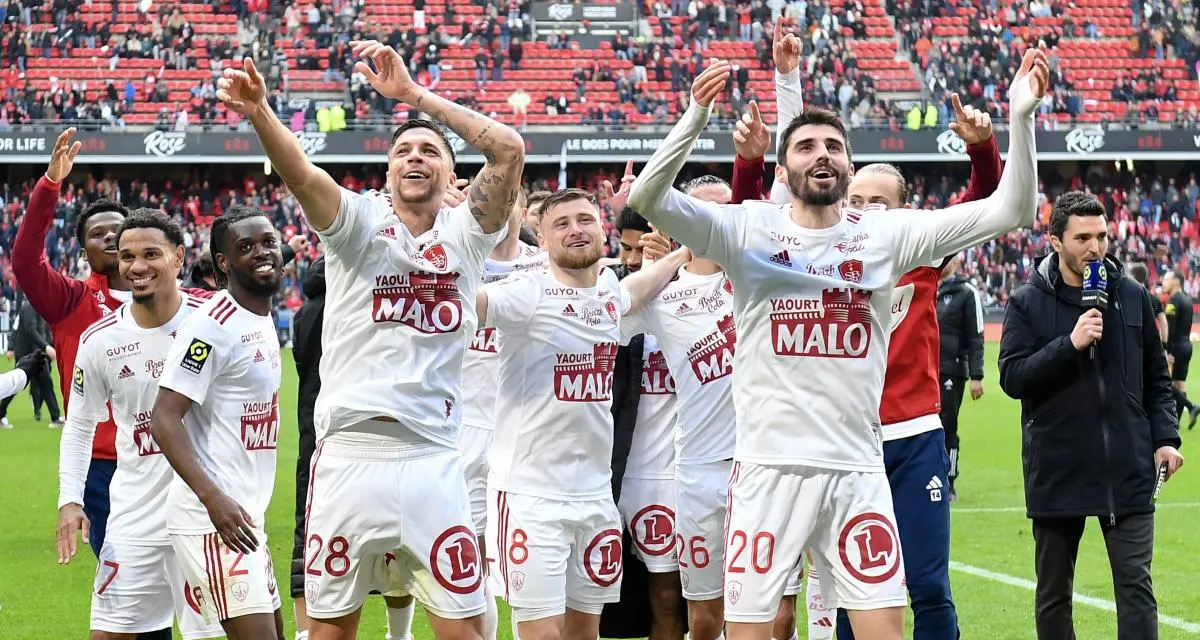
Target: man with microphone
(1081, 351)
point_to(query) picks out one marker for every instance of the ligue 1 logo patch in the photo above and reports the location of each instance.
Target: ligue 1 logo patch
(77, 381)
(197, 354)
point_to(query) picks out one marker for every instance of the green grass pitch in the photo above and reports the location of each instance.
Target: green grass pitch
(40, 600)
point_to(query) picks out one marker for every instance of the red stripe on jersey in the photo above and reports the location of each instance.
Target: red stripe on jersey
(222, 311)
(312, 482)
(910, 387)
(211, 552)
(505, 544)
(227, 314)
(221, 577)
(220, 306)
(107, 322)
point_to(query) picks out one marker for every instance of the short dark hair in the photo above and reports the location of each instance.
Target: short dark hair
(1072, 203)
(421, 123)
(103, 205)
(537, 197)
(220, 227)
(632, 220)
(564, 195)
(1138, 272)
(811, 116)
(703, 181)
(146, 218)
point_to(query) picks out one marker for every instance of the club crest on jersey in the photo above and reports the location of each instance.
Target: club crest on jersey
(851, 271)
(585, 377)
(196, 355)
(656, 377)
(260, 424)
(711, 357)
(142, 439)
(77, 381)
(436, 255)
(427, 302)
(837, 325)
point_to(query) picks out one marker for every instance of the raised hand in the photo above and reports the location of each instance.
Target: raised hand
(752, 138)
(1030, 84)
(785, 48)
(710, 83)
(971, 124)
(62, 159)
(242, 90)
(390, 76)
(617, 199)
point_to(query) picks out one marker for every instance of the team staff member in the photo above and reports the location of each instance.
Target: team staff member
(26, 369)
(960, 320)
(1095, 428)
(29, 335)
(1138, 272)
(1179, 342)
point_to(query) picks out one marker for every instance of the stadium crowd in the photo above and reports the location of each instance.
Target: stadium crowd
(978, 66)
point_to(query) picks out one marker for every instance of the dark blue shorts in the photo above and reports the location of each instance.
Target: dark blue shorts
(95, 500)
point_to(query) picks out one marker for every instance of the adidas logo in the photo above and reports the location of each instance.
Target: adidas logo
(126, 372)
(258, 356)
(387, 232)
(782, 258)
(823, 622)
(683, 308)
(569, 311)
(935, 489)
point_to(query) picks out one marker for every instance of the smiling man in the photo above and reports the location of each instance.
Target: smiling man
(140, 585)
(216, 419)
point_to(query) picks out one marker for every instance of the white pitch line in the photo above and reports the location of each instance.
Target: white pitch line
(1161, 505)
(1099, 603)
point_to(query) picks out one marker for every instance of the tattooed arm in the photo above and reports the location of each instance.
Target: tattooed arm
(496, 187)
(494, 192)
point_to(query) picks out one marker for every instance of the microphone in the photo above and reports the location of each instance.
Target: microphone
(1095, 290)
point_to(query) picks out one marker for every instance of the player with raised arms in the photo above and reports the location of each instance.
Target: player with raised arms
(914, 450)
(216, 419)
(812, 297)
(140, 586)
(388, 504)
(553, 530)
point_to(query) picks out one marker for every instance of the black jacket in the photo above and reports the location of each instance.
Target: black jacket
(960, 322)
(1089, 428)
(306, 344)
(30, 333)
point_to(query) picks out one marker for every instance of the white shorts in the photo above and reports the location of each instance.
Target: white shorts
(701, 498)
(140, 589)
(393, 519)
(547, 555)
(844, 518)
(648, 510)
(227, 584)
(473, 445)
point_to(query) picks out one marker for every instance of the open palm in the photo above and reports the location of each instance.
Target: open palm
(242, 90)
(390, 76)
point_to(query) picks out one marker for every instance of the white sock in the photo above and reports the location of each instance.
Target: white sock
(400, 622)
(491, 617)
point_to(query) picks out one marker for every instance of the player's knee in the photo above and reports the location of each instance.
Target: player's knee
(543, 629)
(785, 619)
(705, 622)
(665, 592)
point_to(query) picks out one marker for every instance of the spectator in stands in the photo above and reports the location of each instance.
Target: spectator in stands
(519, 101)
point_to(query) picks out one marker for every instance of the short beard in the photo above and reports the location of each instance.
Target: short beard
(145, 299)
(568, 260)
(798, 185)
(256, 287)
(426, 197)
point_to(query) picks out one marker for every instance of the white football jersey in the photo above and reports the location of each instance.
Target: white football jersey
(225, 359)
(398, 313)
(481, 363)
(813, 309)
(554, 426)
(120, 363)
(693, 319)
(652, 452)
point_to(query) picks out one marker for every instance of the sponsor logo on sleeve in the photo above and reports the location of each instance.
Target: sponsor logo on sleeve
(197, 355)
